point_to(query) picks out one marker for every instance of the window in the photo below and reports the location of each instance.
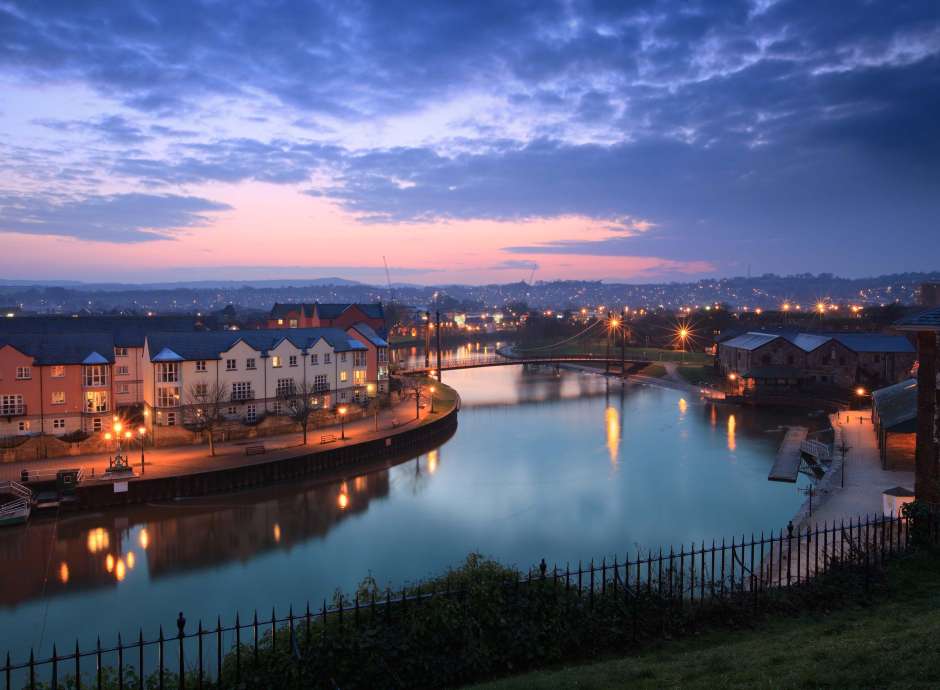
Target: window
(359, 377)
(24, 373)
(383, 354)
(292, 361)
(232, 410)
(343, 376)
(96, 375)
(168, 396)
(230, 365)
(124, 388)
(201, 391)
(122, 370)
(293, 323)
(96, 401)
(241, 390)
(58, 423)
(57, 372)
(314, 359)
(276, 407)
(23, 426)
(120, 352)
(285, 387)
(359, 359)
(342, 357)
(96, 424)
(11, 405)
(382, 373)
(326, 358)
(58, 397)
(200, 365)
(320, 384)
(168, 372)
(250, 363)
(171, 419)
(280, 322)
(251, 414)
(276, 362)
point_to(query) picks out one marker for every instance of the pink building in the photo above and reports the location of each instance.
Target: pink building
(376, 357)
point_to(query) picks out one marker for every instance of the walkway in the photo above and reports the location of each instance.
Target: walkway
(786, 466)
(179, 460)
(864, 478)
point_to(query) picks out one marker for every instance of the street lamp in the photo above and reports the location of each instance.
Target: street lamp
(141, 431)
(432, 389)
(342, 422)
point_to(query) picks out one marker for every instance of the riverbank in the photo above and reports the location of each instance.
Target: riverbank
(179, 472)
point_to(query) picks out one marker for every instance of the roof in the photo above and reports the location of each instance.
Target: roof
(282, 310)
(168, 347)
(369, 334)
(77, 348)
(896, 406)
(899, 491)
(924, 321)
(127, 331)
(333, 310)
(808, 341)
(874, 342)
(751, 341)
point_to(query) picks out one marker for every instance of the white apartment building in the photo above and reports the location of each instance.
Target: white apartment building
(255, 373)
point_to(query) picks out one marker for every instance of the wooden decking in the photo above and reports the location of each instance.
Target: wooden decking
(786, 466)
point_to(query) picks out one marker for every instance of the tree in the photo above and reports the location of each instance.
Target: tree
(413, 385)
(301, 403)
(206, 403)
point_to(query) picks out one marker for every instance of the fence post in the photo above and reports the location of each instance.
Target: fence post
(159, 655)
(55, 665)
(733, 551)
(78, 667)
(591, 597)
(32, 669)
(180, 627)
(140, 657)
(199, 633)
(255, 625)
(7, 670)
(789, 550)
(218, 649)
(238, 649)
(799, 553)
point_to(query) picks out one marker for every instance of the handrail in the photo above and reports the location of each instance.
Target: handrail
(16, 488)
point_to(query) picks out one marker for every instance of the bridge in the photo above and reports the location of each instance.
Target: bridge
(504, 358)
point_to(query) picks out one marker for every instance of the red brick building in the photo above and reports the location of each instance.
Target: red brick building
(317, 315)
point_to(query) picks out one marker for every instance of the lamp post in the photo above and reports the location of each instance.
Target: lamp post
(432, 389)
(342, 422)
(141, 432)
(683, 336)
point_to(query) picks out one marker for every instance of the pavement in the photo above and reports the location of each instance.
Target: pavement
(863, 477)
(179, 460)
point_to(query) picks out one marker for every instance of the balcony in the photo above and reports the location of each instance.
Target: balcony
(242, 396)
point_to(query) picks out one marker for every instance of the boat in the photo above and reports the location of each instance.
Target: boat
(16, 503)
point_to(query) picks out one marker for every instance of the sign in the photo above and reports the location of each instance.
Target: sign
(120, 487)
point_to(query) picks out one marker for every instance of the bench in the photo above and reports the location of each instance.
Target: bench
(327, 438)
(254, 450)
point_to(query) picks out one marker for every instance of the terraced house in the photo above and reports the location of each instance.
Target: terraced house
(251, 374)
(317, 315)
(56, 385)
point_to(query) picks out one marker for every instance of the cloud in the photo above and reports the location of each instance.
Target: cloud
(118, 218)
(516, 265)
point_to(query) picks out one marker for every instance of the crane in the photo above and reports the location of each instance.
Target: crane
(388, 279)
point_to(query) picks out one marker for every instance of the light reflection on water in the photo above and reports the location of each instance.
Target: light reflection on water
(548, 464)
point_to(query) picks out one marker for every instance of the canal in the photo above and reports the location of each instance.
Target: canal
(556, 465)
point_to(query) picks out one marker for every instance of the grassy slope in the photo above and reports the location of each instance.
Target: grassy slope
(695, 374)
(892, 643)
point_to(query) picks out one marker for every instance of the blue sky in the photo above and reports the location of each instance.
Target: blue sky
(468, 141)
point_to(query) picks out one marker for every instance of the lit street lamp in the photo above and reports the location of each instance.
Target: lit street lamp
(141, 431)
(342, 422)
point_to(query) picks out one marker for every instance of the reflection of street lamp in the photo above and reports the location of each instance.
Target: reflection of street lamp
(432, 389)
(342, 422)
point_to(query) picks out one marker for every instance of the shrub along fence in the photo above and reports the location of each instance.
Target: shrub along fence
(483, 619)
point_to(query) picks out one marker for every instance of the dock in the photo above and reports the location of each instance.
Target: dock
(786, 466)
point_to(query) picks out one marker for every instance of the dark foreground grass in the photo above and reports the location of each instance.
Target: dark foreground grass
(892, 642)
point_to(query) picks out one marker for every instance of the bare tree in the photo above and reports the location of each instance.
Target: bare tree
(302, 401)
(413, 386)
(206, 402)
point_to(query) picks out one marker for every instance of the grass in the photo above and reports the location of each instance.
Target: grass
(700, 373)
(653, 370)
(890, 643)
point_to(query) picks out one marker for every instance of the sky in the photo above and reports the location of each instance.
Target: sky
(476, 142)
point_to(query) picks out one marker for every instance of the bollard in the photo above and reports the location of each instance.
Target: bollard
(24, 475)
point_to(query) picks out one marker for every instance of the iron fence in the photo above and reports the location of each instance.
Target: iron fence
(695, 576)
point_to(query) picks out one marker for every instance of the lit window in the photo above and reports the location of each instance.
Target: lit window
(276, 362)
(23, 426)
(58, 397)
(343, 376)
(57, 372)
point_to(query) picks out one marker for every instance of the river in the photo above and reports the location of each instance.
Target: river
(556, 465)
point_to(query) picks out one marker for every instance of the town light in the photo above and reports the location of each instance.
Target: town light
(860, 391)
(117, 426)
(614, 323)
(732, 376)
(821, 307)
(107, 436)
(342, 422)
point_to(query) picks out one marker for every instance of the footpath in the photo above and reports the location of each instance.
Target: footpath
(190, 459)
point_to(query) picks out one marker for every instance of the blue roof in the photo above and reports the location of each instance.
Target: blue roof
(75, 348)
(369, 333)
(874, 342)
(211, 344)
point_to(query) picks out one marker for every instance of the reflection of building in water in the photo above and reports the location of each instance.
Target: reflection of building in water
(210, 533)
(79, 555)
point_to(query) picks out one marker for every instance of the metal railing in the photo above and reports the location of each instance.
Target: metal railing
(696, 576)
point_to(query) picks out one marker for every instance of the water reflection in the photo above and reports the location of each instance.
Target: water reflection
(528, 475)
